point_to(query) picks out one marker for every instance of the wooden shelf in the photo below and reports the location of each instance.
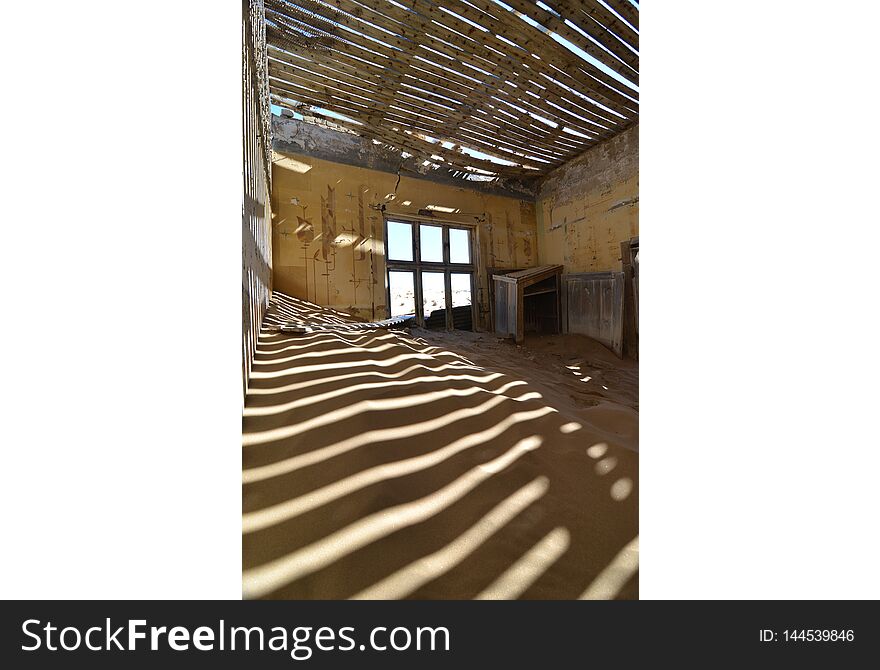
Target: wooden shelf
(526, 294)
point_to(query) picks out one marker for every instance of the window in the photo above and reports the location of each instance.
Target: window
(431, 249)
(399, 241)
(459, 245)
(430, 272)
(402, 289)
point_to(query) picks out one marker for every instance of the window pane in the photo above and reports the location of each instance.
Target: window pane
(400, 246)
(431, 239)
(461, 289)
(403, 295)
(459, 245)
(434, 295)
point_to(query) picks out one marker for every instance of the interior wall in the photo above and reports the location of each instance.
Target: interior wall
(256, 215)
(328, 231)
(588, 206)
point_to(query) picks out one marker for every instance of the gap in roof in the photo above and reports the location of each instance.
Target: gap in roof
(597, 63)
(577, 28)
(619, 17)
(583, 55)
(504, 39)
(473, 153)
(449, 44)
(360, 18)
(533, 129)
(571, 131)
(336, 24)
(550, 123)
(462, 18)
(334, 115)
(582, 96)
(548, 9)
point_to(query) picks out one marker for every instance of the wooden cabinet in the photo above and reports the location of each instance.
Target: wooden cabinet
(528, 300)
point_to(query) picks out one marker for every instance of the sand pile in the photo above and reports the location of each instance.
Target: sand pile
(384, 465)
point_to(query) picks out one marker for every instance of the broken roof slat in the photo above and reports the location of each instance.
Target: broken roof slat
(474, 75)
(600, 85)
(412, 143)
(521, 38)
(378, 102)
(623, 61)
(525, 102)
(282, 76)
(396, 47)
(602, 16)
(521, 149)
(509, 126)
(626, 63)
(519, 64)
(627, 10)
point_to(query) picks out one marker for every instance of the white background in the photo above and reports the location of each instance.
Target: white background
(121, 301)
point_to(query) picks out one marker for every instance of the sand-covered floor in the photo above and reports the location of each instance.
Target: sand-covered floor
(390, 464)
(575, 374)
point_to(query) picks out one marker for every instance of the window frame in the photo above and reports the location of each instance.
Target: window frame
(418, 266)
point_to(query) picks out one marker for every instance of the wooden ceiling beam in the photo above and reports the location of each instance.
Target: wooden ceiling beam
(470, 73)
(371, 128)
(462, 51)
(578, 71)
(321, 81)
(627, 10)
(597, 32)
(482, 95)
(600, 14)
(477, 140)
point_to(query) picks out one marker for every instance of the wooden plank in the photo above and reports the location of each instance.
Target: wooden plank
(426, 68)
(391, 72)
(452, 47)
(627, 63)
(345, 88)
(608, 30)
(630, 337)
(626, 10)
(595, 307)
(530, 39)
(520, 313)
(530, 276)
(382, 129)
(518, 31)
(409, 143)
(494, 50)
(558, 304)
(507, 130)
(535, 41)
(416, 119)
(387, 75)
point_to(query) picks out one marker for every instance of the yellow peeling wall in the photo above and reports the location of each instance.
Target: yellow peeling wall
(328, 233)
(588, 206)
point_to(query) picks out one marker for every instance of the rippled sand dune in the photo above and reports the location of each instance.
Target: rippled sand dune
(390, 464)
